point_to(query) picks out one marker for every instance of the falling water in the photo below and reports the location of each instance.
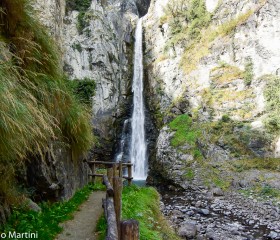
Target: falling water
(120, 155)
(138, 143)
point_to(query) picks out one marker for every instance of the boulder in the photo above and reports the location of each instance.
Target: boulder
(188, 230)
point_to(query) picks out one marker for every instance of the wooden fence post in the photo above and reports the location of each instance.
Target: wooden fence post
(110, 175)
(114, 170)
(120, 169)
(129, 171)
(93, 173)
(118, 200)
(130, 230)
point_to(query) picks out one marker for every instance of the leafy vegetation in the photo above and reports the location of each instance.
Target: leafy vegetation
(78, 47)
(233, 135)
(142, 204)
(37, 106)
(101, 227)
(263, 191)
(272, 97)
(81, 6)
(186, 134)
(84, 89)
(249, 74)
(268, 191)
(46, 222)
(186, 19)
(189, 175)
(82, 21)
(77, 5)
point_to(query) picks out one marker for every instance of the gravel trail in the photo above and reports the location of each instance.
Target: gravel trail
(82, 226)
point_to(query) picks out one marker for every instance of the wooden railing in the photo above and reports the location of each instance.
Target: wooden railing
(112, 168)
(112, 204)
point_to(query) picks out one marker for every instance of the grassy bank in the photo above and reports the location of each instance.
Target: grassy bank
(143, 204)
(46, 222)
(38, 107)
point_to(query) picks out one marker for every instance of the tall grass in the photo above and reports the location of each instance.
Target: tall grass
(37, 106)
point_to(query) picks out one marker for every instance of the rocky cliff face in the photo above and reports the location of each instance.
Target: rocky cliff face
(97, 44)
(217, 64)
(102, 50)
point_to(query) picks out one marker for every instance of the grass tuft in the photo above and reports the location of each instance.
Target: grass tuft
(184, 131)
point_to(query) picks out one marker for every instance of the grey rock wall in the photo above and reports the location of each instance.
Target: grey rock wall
(190, 87)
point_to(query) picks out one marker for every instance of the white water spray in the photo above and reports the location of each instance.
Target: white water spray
(120, 155)
(138, 141)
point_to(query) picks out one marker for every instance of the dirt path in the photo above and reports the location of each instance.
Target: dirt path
(82, 226)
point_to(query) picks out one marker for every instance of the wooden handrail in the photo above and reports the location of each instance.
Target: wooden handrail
(109, 188)
(110, 215)
(109, 163)
(112, 204)
(115, 165)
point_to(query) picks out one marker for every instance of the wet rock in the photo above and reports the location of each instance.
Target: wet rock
(198, 204)
(243, 183)
(210, 234)
(273, 235)
(201, 237)
(176, 111)
(203, 211)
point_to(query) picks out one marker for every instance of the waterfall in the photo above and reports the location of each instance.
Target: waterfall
(138, 141)
(119, 157)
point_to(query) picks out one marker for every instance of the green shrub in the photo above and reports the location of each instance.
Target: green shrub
(78, 47)
(78, 5)
(84, 89)
(101, 227)
(186, 19)
(249, 71)
(268, 191)
(189, 175)
(225, 118)
(272, 97)
(82, 21)
(81, 6)
(235, 136)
